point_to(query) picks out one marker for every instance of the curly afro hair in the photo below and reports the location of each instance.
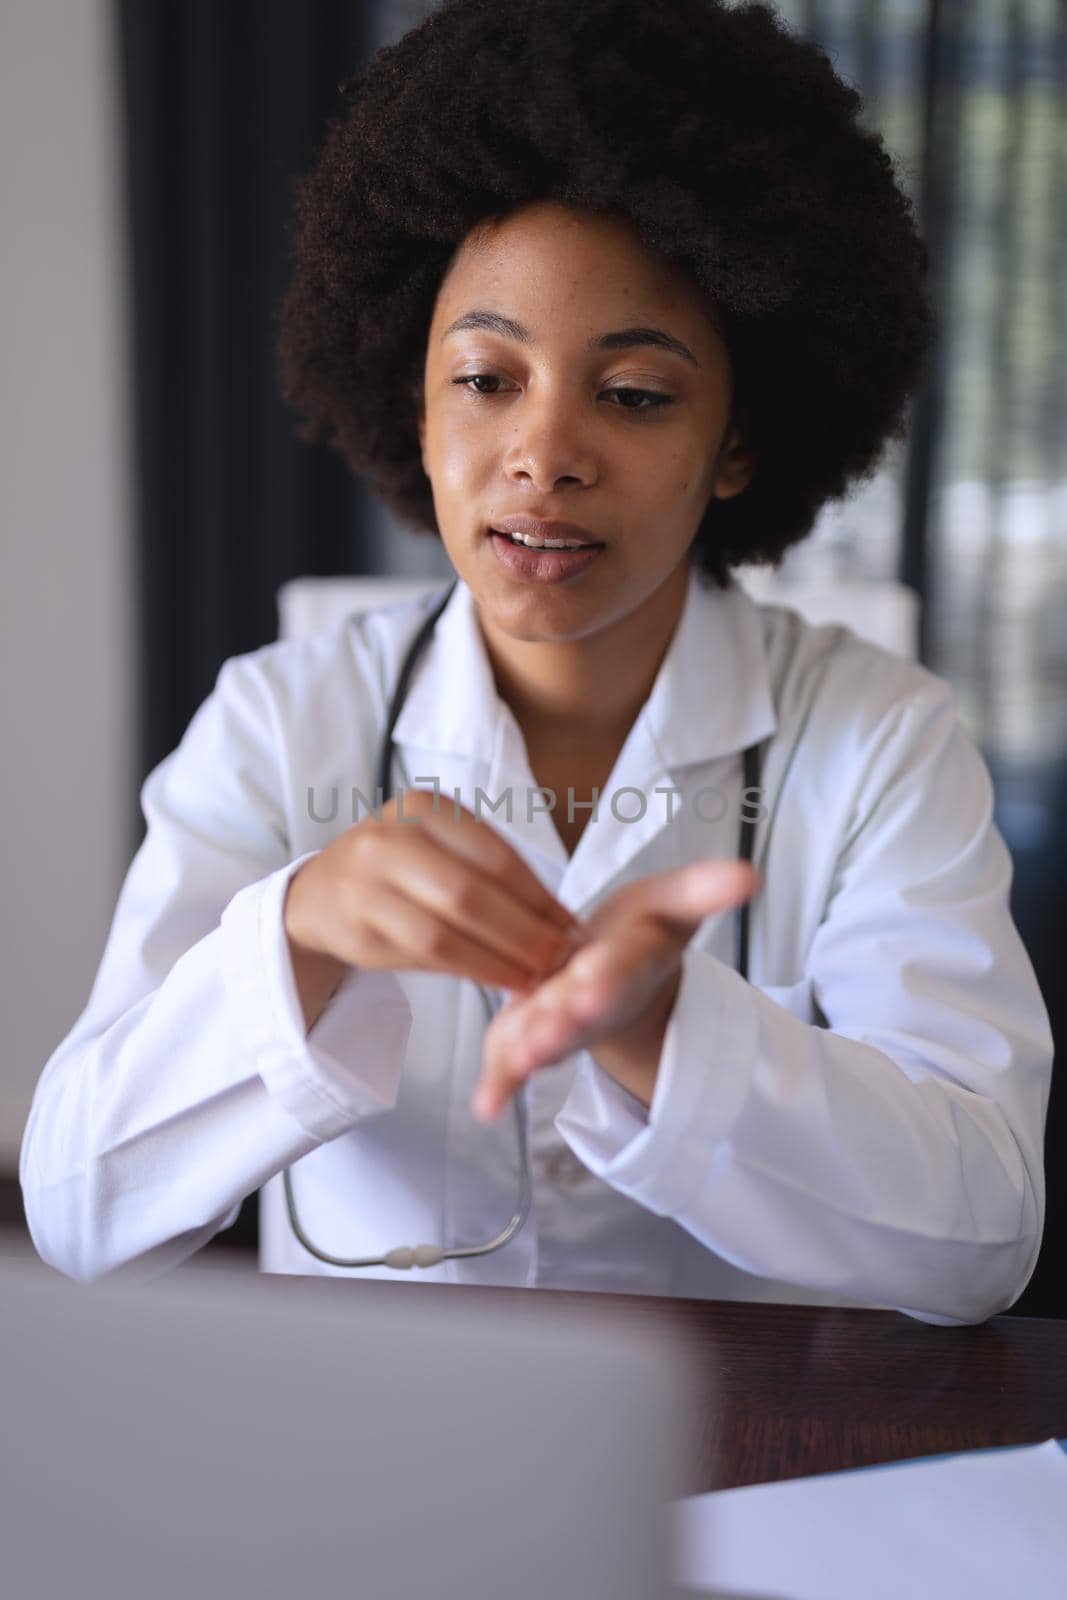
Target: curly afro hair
(728, 142)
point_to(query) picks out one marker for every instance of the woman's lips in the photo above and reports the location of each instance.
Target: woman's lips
(541, 566)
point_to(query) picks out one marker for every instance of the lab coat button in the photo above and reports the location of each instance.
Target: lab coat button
(563, 1167)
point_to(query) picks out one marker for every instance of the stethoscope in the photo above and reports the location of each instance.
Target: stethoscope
(405, 1257)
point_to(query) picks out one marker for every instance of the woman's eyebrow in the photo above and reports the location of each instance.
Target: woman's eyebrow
(623, 339)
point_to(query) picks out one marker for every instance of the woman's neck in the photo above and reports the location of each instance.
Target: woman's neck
(592, 687)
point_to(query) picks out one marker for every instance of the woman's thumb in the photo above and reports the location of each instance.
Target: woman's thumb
(698, 891)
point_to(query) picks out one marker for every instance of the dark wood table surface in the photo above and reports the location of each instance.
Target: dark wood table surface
(782, 1391)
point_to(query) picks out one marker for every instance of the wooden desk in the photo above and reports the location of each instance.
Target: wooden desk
(793, 1390)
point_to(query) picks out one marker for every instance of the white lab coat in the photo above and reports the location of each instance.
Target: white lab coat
(860, 1124)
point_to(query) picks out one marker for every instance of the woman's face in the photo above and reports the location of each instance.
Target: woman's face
(569, 420)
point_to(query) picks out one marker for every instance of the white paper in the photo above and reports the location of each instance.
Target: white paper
(980, 1526)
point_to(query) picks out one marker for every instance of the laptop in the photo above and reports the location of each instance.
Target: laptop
(212, 1435)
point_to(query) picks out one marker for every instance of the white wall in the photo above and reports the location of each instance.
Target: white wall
(66, 697)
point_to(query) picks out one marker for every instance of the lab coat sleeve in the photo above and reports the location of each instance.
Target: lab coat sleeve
(894, 1156)
(189, 1079)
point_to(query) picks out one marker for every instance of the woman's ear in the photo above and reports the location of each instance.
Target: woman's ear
(735, 466)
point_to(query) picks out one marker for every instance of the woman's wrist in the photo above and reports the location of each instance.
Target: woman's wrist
(632, 1056)
(316, 976)
(316, 973)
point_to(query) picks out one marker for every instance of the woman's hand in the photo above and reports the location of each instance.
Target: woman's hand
(615, 995)
(431, 888)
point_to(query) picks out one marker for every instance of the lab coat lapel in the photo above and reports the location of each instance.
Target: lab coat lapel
(452, 705)
(454, 720)
(710, 699)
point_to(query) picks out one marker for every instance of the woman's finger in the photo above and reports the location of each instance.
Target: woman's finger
(406, 936)
(604, 986)
(477, 842)
(460, 894)
(679, 899)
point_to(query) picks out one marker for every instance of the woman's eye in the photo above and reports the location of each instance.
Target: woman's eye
(651, 398)
(478, 377)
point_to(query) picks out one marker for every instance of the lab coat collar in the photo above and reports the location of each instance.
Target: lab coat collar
(711, 696)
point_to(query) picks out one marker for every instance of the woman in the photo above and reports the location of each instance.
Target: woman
(629, 280)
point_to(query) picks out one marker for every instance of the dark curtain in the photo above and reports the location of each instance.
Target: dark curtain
(225, 104)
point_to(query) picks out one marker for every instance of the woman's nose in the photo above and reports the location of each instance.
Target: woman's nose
(549, 441)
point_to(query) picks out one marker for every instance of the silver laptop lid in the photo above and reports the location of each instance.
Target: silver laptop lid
(207, 1435)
